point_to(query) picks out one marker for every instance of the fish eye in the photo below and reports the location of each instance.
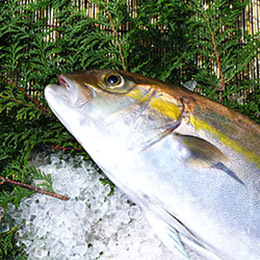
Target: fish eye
(113, 80)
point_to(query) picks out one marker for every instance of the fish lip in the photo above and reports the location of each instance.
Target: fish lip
(79, 94)
(63, 80)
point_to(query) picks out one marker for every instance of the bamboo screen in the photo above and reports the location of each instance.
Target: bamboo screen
(248, 21)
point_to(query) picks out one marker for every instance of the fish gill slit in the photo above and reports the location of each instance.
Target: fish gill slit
(145, 103)
(169, 129)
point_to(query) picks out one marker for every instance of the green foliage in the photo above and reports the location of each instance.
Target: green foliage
(217, 39)
(8, 248)
(105, 182)
(160, 48)
(162, 39)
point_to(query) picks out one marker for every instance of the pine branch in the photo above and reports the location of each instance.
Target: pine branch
(222, 85)
(33, 188)
(22, 103)
(115, 35)
(42, 107)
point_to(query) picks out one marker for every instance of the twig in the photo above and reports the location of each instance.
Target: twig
(9, 231)
(115, 35)
(43, 108)
(20, 102)
(33, 188)
(54, 147)
(222, 78)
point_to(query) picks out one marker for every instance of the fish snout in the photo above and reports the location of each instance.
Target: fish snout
(78, 93)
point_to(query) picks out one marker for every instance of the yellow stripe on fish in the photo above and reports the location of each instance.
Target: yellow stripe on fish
(233, 144)
(165, 107)
(169, 109)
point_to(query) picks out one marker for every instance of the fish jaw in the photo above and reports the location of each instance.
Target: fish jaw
(68, 101)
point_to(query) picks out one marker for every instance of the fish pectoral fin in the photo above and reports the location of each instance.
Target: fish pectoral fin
(222, 167)
(202, 153)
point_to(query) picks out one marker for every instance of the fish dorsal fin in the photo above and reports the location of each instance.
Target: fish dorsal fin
(200, 152)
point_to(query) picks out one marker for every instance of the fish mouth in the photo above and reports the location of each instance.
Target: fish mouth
(77, 93)
(63, 82)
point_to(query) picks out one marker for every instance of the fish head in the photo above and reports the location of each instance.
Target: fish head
(81, 90)
(104, 108)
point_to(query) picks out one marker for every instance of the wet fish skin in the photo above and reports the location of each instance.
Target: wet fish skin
(193, 165)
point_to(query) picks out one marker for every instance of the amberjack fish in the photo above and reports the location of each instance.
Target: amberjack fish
(191, 164)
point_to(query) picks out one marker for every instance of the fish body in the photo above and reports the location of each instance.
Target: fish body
(191, 164)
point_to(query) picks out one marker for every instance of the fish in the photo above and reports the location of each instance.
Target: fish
(191, 164)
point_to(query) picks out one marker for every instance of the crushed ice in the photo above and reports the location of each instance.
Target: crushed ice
(90, 225)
